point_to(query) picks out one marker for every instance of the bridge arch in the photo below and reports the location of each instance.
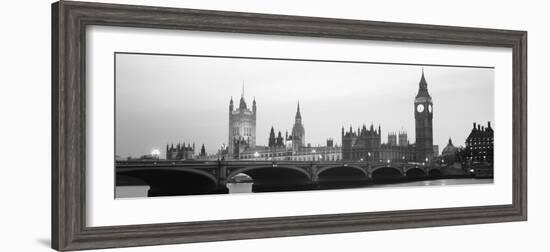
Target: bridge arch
(275, 178)
(373, 170)
(356, 168)
(415, 172)
(286, 167)
(171, 169)
(201, 172)
(435, 173)
(340, 176)
(173, 180)
(386, 174)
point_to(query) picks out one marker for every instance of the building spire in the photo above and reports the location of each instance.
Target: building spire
(242, 92)
(298, 114)
(423, 86)
(242, 103)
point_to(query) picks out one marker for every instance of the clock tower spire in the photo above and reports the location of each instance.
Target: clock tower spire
(423, 115)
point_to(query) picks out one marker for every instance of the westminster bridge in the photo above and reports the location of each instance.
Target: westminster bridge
(184, 177)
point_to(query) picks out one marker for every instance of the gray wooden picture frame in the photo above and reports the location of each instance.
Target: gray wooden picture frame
(69, 20)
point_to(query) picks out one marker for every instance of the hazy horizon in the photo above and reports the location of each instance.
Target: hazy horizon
(162, 99)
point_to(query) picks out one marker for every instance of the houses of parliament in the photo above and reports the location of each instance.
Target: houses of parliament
(366, 143)
(242, 138)
(362, 144)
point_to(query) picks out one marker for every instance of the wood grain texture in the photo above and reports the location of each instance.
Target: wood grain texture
(69, 20)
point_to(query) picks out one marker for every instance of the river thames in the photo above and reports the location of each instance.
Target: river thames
(141, 191)
(247, 187)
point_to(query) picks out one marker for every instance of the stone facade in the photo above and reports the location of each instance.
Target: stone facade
(180, 152)
(242, 127)
(308, 153)
(365, 144)
(479, 144)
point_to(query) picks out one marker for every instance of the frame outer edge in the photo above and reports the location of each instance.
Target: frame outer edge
(68, 122)
(67, 130)
(519, 140)
(522, 153)
(56, 215)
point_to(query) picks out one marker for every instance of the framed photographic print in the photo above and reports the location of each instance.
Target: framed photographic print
(178, 125)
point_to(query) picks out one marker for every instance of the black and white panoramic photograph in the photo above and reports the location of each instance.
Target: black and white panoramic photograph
(219, 124)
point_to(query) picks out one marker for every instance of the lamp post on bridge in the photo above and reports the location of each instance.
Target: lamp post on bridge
(155, 154)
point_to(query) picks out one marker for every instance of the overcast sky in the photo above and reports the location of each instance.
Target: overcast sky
(171, 99)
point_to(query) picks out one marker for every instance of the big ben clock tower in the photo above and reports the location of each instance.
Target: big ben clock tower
(423, 115)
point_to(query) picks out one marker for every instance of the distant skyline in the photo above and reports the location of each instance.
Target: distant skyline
(163, 99)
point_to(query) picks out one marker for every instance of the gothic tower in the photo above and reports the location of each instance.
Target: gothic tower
(242, 124)
(298, 131)
(392, 138)
(423, 115)
(403, 140)
(271, 141)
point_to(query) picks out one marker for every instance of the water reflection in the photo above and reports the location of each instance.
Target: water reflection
(247, 187)
(440, 182)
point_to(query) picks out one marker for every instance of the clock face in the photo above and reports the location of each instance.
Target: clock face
(430, 108)
(420, 108)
